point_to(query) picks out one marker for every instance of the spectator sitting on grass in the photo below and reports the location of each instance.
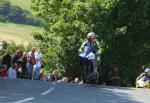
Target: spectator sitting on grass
(77, 81)
(12, 74)
(3, 71)
(42, 76)
(113, 77)
(63, 80)
(53, 75)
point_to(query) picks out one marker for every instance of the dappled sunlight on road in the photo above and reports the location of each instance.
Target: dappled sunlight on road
(22, 91)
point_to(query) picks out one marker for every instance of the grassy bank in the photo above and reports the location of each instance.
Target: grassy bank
(20, 34)
(25, 4)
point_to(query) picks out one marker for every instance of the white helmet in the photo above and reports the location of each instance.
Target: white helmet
(147, 70)
(91, 34)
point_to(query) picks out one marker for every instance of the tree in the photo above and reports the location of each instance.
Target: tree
(15, 14)
(128, 43)
(121, 25)
(4, 9)
(68, 22)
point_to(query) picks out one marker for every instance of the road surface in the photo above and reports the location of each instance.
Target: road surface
(27, 91)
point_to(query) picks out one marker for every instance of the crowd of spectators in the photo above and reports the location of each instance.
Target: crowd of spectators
(27, 65)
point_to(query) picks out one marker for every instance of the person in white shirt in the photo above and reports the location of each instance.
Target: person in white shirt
(37, 65)
(12, 72)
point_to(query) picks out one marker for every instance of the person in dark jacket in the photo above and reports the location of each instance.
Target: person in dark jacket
(16, 57)
(6, 60)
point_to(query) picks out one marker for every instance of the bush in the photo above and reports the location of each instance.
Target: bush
(11, 48)
(122, 27)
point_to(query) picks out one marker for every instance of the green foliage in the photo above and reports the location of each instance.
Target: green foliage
(122, 27)
(24, 4)
(16, 14)
(128, 43)
(4, 9)
(68, 22)
(10, 48)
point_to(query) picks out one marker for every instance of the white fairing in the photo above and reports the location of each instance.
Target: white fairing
(90, 56)
(82, 55)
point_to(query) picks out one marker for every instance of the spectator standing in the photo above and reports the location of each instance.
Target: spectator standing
(31, 62)
(16, 57)
(24, 64)
(37, 65)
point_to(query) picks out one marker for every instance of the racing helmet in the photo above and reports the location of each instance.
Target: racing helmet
(91, 35)
(147, 70)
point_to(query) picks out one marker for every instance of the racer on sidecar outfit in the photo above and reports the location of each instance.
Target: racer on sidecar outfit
(88, 54)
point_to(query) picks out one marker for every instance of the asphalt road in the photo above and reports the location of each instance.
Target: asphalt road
(27, 91)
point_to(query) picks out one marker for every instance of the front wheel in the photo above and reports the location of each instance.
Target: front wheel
(93, 75)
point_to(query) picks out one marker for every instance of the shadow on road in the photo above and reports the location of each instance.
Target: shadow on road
(27, 91)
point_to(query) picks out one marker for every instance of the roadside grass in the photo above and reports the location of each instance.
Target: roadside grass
(18, 33)
(24, 4)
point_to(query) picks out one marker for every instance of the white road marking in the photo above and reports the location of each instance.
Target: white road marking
(16, 94)
(48, 91)
(24, 100)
